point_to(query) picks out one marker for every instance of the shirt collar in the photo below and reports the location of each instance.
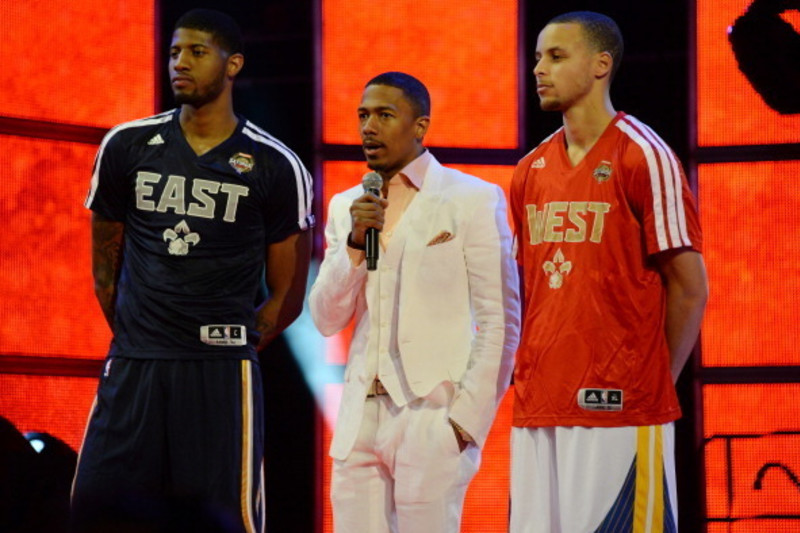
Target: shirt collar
(415, 170)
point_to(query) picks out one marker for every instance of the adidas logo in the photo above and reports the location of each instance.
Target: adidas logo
(539, 163)
(156, 140)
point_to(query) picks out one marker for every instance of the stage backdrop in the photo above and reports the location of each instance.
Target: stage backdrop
(748, 170)
(70, 71)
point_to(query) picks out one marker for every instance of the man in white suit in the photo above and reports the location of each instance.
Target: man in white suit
(436, 323)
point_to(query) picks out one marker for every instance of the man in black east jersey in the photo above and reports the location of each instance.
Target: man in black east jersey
(192, 208)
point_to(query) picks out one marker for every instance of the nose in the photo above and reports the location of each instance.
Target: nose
(179, 61)
(538, 68)
(369, 125)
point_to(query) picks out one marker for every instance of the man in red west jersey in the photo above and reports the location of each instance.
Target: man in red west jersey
(615, 287)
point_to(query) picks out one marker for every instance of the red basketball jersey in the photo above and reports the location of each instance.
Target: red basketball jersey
(593, 349)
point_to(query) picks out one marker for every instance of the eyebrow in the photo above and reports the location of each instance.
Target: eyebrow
(193, 45)
(378, 108)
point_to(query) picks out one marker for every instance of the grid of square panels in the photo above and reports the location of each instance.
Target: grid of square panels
(730, 111)
(749, 213)
(48, 305)
(752, 457)
(87, 62)
(465, 53)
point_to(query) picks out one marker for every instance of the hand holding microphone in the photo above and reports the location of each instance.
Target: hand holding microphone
(366, 213)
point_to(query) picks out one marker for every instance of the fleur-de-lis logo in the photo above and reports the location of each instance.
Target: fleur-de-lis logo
(557, 269)
(178, 244)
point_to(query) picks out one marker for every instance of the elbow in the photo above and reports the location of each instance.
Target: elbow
(325, 326)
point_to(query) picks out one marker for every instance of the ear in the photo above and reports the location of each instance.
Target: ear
(234, 65)
(603, 65)
(421, 127)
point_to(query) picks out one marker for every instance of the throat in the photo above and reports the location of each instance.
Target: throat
(203, 145)
(576, 154)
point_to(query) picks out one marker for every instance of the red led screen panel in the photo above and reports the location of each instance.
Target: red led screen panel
(48, 305)
(752, 457)
(486, 505)
(465, 53)
(88, 62)
(729, 110)
(749, 213)
(48, 404)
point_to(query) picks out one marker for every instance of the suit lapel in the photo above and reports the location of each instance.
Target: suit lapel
(418, 220)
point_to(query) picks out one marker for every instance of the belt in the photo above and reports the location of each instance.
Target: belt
(376, 388)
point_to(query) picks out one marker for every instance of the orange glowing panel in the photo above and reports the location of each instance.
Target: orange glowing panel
(752, 455)
(765, 525)
(465, 53)
(87, 62)
(749, 213)
(486, 504)
(55, 405)
(48, 305)
(729, 110)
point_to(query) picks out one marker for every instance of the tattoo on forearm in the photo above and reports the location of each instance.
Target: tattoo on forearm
(106, 258)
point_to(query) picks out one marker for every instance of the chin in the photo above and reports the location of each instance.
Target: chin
(550, 105)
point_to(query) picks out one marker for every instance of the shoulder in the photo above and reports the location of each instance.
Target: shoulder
(467, 189)
(347, 196)
(128, 137)
(270, 146)
(528, 158)
(451, 177)
(638, 138)
(139, 128)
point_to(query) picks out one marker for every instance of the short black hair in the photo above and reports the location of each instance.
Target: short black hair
(601, 31)
(413, 89)
(223, 29)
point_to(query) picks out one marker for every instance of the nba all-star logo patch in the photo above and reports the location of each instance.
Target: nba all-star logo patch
(603, 172)
(242, 162)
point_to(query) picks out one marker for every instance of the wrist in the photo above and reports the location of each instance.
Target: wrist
(352, 244)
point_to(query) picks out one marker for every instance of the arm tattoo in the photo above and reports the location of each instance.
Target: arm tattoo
(106, 262)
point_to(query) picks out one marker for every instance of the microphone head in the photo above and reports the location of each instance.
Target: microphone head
(372, 181)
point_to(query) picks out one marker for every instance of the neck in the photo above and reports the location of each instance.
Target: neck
(209, 120)
(585, 123)
(208, 125)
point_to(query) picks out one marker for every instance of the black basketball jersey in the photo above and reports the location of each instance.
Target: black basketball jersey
(196, 233)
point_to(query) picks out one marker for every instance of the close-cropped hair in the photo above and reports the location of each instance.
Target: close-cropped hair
(601, 32)
(223, 29)
(414, 90)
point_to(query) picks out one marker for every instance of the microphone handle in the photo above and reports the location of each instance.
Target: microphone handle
(372, 240)
(372, 248)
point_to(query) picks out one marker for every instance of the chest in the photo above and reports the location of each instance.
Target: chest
(211, 187)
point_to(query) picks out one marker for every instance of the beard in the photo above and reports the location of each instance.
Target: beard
(550, 104)
(200, 96)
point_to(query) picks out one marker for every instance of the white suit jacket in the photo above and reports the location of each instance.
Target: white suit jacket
(458, 300)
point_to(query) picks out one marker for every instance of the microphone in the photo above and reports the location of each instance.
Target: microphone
(372, 183)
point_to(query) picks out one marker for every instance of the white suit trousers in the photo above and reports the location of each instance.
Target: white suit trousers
(405, 473)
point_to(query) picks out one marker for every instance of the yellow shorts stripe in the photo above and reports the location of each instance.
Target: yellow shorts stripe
(648, 507)
(247, 448)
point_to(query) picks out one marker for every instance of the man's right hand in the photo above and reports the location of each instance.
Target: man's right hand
(366, 211)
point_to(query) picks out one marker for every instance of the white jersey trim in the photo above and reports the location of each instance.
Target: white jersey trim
(664, 174)
(140, 123)
(305, 193)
